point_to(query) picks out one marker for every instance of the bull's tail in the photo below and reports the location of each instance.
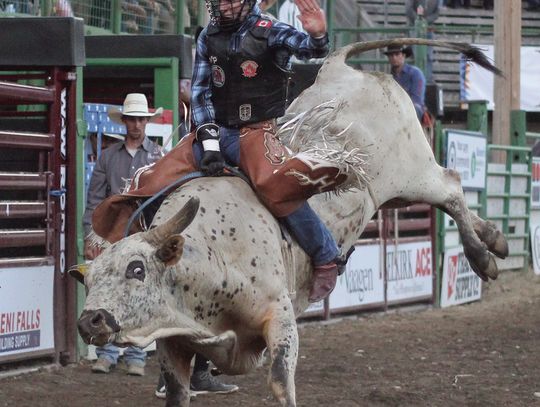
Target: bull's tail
(472, 53)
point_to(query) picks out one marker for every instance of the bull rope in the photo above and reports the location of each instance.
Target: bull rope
(183, 179)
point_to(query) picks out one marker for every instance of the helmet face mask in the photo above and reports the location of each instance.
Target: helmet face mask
(229, 14)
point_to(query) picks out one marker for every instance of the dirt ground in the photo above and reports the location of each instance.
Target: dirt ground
(482, 354)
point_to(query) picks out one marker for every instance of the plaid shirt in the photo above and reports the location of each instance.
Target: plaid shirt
(282, 36)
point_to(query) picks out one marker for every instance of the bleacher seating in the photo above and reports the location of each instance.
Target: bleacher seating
(473, 25)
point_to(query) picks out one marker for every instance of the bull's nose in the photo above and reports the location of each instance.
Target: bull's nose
(96, 326)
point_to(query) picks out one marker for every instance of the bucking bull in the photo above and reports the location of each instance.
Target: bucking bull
(216, 277)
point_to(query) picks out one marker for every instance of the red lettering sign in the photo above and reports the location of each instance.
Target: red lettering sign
(452, 274)
(423, 262)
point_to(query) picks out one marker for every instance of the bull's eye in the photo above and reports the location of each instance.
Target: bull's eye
(135, 269)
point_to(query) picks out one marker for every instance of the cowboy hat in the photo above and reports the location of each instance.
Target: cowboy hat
(391, 49)
(135, 104)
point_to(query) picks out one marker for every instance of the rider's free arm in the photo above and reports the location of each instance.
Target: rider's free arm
(202, 110)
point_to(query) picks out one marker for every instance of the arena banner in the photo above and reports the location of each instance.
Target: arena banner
(459, 283)
(362, 283)
(466, 153)
(409, 271)
(26, 310)
(477, 83)
(535, 183)
(535, 247)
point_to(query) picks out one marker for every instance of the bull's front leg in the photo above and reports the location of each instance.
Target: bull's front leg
(281, 336)
(176, 359)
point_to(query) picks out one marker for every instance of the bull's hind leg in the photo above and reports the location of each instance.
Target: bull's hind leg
(441, 187)
(176, 360)
(281, 336)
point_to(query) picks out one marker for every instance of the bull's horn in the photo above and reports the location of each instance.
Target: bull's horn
(176, 224)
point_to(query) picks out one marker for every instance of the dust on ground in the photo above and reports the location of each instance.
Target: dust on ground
(481, 354)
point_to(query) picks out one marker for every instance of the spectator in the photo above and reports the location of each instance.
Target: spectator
(266, 4)
(408, 76)
(115, 166)
(133, 16)
(428, 9)
(288, 13)
(166, 19)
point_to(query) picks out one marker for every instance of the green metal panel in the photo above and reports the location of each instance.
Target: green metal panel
(200, 15)
(166, 82)
(420, 51)
(116, 16)
(514, 155)
(439, 217)
(477, 117)
(81, 199)
(330, 18)
(166, 90)
(518, 130)
(180, 26)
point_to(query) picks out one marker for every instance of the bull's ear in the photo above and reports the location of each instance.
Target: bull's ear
(175, 225)
(171, 250)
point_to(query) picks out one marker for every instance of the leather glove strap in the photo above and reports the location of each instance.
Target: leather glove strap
(208, 135)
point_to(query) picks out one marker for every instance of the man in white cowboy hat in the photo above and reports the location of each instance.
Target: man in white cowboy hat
(410, 77)
(117, 164)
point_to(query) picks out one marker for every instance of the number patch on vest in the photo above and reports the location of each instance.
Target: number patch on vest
(245, 112)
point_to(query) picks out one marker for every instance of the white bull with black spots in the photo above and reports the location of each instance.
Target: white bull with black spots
(217, 278)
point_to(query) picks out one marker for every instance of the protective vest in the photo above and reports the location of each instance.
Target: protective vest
(248, 86)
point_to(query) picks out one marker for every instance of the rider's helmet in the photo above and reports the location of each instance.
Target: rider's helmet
(229, 14)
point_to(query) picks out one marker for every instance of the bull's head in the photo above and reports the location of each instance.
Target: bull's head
(128, 285)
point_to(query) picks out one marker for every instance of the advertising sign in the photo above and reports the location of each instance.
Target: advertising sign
(409, 271)
(535, 247)
(362, 283)
(477, 82)
(459, 283)
(26, 309)
(466, 153)
(535, 183)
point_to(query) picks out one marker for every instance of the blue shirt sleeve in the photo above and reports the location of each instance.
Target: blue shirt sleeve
(417, 91)
(202, 109)
(299, 44)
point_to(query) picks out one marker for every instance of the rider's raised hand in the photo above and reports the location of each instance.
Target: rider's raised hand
(312, 17)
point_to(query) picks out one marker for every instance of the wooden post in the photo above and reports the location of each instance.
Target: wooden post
(507, 58)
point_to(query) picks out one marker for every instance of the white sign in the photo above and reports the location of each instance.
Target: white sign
(362, 282)
(459, 283)
(535, 246)
(26, 309)
(466, 153)
(477, 82)
(535, 183)
(409, 271)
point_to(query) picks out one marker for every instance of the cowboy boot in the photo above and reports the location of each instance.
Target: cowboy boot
(324, 281)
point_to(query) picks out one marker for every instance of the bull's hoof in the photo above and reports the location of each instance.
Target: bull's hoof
(492, 270)
(500, 248)
(494, 240)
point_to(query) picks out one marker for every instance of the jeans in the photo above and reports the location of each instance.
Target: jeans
(303, 224)
(132, 354)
